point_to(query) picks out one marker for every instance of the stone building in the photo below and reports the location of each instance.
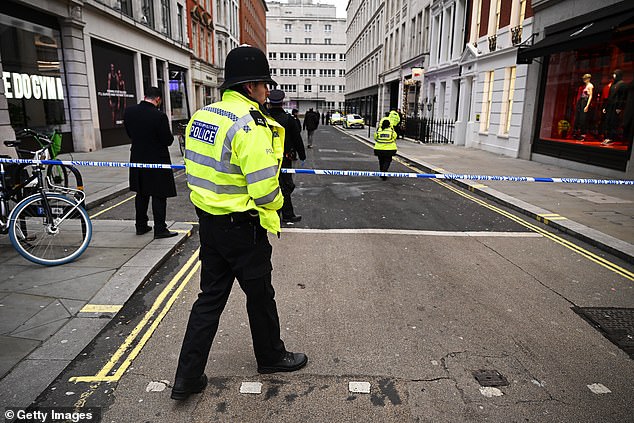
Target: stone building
(306, 51)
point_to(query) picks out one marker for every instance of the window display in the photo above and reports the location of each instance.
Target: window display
(586, 97)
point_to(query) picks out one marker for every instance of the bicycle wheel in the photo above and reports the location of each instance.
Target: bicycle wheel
(181, 143)
(49, 243)
(58, 175)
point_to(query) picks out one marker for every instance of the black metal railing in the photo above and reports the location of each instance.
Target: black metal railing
(440, 131)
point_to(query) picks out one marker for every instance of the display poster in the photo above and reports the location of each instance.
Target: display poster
(114, 79)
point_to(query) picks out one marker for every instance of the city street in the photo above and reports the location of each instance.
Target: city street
(412, 286)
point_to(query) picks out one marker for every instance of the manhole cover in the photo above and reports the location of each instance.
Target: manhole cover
(489, 378)
(616, 324)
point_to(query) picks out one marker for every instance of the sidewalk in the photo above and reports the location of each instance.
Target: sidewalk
(602, 215)
(49, 314)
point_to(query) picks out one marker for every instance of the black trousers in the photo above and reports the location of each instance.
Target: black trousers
(385, 159)
(159, 211)
(287, 186)
(231, 248)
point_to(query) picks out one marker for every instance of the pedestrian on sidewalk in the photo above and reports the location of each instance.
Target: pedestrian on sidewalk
(293, 148)
(149, 130)
(385, 145)
(232, 172)
(311, 122)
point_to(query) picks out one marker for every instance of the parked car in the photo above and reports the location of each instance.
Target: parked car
(353, 121)
(336, 119)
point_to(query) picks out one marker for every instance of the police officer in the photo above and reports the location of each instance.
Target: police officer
(385, 145)
(233, 155)
(293, 148)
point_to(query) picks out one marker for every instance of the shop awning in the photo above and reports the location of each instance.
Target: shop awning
(574, 37)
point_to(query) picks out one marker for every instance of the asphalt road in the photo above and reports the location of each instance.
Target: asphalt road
(410, 285)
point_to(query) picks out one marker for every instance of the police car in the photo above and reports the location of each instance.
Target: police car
(336, 119)
(353, 121)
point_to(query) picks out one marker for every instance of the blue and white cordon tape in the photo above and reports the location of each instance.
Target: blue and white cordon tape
(342, 172)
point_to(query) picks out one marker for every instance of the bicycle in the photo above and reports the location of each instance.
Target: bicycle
(45, 226)
(179, 132)
(58, 173)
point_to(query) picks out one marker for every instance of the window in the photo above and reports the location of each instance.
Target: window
(288, 72)
(307, 72)
(147, 13)
(326, 88)
(179, 14)
(507, 106)
(166, 27)
(272, 55)
(308, 40)
(195, 38)
(342, 72)
(289, 88)
(126, 8)
(327, 40)
(328, 28)
(342, 57)
(342, 88)
(288, 27)
(327, 72)
(287, 56)
(287, 40)
(487, 96)
(273, 72)
(308, 88)
(308, 27)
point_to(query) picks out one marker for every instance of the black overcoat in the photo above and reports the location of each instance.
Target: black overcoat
(149, 130)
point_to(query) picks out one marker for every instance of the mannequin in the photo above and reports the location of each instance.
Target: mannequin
(582, 108)
(614, 105)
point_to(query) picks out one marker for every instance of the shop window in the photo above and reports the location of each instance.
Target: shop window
(586, 97)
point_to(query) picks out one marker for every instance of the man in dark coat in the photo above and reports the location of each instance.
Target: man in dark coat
(293, 148)
(150, 132)
(614, 106)
(311, 122)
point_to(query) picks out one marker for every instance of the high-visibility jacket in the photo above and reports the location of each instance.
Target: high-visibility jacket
(395, 118)
(233, 156)
(385, 139)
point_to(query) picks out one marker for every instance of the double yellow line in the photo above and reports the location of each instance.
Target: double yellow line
(559, 240)
(130, 348)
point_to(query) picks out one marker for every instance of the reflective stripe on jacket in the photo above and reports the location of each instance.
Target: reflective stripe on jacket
(385, 139)
(233, 157)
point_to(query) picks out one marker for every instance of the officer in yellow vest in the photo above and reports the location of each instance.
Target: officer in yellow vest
(232, 159)
(385, 145)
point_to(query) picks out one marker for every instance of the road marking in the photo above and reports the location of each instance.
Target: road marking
(112, 207)
(100, 308)
(417, 232)
(103, 374)
(559, 240)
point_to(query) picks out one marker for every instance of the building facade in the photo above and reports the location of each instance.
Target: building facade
(227, 33)
(387, 48)
(202, 42)
(492, 85)
(594, 39)
(253, 23)
(75, 66)
(306, 51)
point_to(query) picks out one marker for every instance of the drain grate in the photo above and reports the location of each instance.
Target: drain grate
(616, 324)
(489, 378)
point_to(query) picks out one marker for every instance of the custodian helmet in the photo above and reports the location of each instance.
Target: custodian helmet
(246, 64)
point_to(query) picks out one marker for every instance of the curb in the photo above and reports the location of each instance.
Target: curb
(607, 243)
(44, 365)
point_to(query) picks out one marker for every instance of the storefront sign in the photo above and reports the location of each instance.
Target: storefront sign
(417, 74)
(39, 87)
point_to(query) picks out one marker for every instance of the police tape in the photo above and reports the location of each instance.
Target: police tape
(448, 176)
